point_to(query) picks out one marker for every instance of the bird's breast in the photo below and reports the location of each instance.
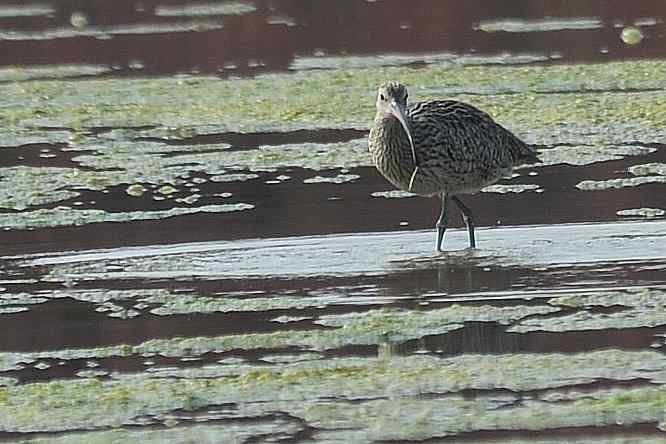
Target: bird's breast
(391, 153)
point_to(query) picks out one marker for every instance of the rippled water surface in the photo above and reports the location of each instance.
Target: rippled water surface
(195, 246)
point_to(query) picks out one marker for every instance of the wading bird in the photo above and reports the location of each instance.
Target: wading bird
(441, 147)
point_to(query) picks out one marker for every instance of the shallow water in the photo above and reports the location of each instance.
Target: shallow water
(195, 246)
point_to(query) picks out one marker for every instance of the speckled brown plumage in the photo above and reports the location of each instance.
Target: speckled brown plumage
(458, 148)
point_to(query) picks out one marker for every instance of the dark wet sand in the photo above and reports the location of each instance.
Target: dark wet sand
(264, 40)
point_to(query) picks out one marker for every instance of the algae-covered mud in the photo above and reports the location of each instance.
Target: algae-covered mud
(350, 338)
(158, 148)
(196, 247)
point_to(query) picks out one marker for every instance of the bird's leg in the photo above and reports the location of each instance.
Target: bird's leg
(468, 218)
(441, 222)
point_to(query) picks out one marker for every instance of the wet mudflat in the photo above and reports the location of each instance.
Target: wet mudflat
(196, 247)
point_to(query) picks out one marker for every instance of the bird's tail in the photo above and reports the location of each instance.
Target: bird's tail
(527, 154)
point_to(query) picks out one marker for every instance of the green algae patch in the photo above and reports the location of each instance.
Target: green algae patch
(600, 439)
(644, 308)
(412, 397)
(17, 303)
(151, 170)
(404, 324)
(599, 185)
(136, 190)
(14, 74)
(4, 382)
(374, 327)
(30, 10)
(393, 194)
(167, 304)
(538, 25)
(102, 300)
(369, 328)
(86, 404)
(231, 431)
(648, 173)
(24, 187)
(589, 154)
(516, 188)
(438, 418)
(648, 169)
(203, 9)
(345, 97)
(397, 59)
(340, 178)
(14, 137)
(161, 302)
(66, 216)
(314, 156)
(580, 104)
(147, 167)
(647, 213)
(79, 28)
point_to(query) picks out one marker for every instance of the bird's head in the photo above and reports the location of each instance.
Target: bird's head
(391, 97)
(392, 103)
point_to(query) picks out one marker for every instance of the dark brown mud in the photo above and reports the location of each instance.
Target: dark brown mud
(248, 141)
(291, 206)
(37, 155)
(270, 35)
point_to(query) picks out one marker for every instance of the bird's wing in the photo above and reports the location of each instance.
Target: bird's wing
(458, 133)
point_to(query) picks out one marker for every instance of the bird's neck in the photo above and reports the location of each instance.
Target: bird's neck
(391, 135)
(391, 151)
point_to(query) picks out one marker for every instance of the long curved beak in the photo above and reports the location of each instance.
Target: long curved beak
(399, 113)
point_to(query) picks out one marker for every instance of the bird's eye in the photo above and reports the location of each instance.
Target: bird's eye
(382, 97)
